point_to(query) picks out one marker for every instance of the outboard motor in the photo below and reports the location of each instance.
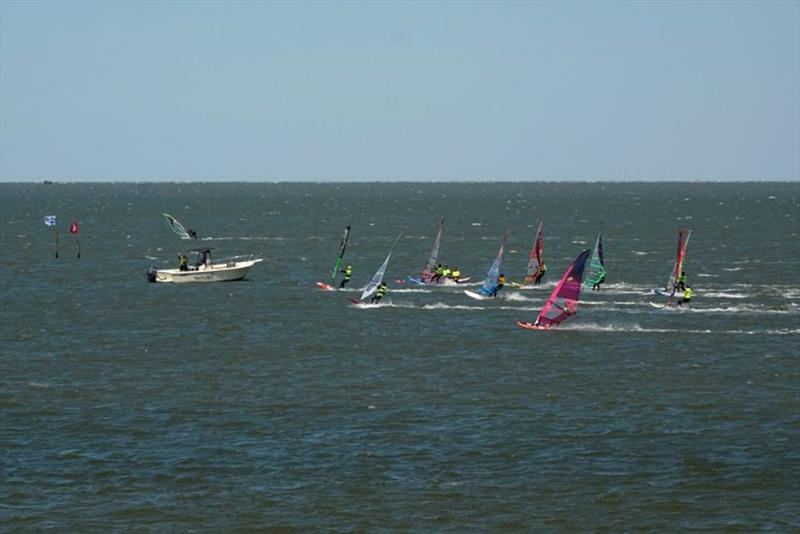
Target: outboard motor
(151, 274)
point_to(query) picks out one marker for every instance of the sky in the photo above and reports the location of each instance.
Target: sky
(422, 91)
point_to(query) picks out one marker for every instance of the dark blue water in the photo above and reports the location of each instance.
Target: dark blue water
(267, 403)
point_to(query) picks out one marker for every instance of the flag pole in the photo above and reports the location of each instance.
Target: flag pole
(55, 229)
(78, 245)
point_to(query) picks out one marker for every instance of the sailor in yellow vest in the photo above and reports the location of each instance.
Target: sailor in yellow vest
(348, 273)
(455, 274)
(379, 293)
(687, 296)
(183, 264)
(681, 284)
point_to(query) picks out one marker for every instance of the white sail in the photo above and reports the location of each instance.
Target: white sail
(377, 278)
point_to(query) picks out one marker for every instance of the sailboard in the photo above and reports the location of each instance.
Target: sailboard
(377, 278)
(487, 289)
(563, 301)
(536, 258)
(596, 272)
(342, 247)
(177, 227)
(680, 256)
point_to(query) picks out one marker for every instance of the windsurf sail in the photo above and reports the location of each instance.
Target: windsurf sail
(176, 227)
(377, 278)
(342, 248)
(563, 301)
(433, 258)
(490, 283)
(597, 266)
(683, 243)
(536, 259)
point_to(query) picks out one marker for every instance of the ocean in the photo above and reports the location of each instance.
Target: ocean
(269, 404)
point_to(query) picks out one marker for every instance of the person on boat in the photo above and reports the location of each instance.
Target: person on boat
(681, 285)
(446, 272)
(379, 293)
(501, 281)
(687, 296)
(183, 262)
(437, 274)
(600, 280)
(192, 233)
(348, 274)
(540, 274)
(455, 274)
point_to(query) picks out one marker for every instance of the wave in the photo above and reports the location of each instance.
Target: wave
(635, 328)
(244, 238)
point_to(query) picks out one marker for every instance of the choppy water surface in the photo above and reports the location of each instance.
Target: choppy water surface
(268, 403)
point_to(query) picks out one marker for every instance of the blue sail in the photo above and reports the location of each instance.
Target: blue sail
(490, 283)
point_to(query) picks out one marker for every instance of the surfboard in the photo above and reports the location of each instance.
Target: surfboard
(325, 287)
(476, 296)
(530, 326)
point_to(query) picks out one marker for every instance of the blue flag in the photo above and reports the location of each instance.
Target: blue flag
(50, 220)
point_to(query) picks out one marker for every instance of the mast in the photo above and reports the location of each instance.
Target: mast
(342, 248)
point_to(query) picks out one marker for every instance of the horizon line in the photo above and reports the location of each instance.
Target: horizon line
(48, 181)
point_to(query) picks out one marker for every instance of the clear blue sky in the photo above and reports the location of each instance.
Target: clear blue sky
(399, 91)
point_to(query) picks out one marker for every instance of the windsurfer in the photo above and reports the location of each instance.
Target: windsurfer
(596, 286)
(681, 284)
(540, 274)
(501, 281)
(348, 273)
(379, 293)
(687, 296)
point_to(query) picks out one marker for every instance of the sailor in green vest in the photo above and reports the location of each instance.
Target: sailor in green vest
(439, 273)
(681, 285)
(446, 272)
(183, 262)
(600, 280)
(348, 273)
(687, 296)
(379, 293)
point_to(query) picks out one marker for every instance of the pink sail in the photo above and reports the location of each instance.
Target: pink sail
(563, 301)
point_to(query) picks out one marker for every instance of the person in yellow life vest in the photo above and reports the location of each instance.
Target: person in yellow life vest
(540, 274)
(348, 274)
(379, 293)
(446, 272)
(183, 262)
(501, 281)
(687, 296)
(439, 273)
(456, 274)
(681, 285)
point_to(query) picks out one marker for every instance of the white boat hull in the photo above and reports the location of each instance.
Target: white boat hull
(216, 272)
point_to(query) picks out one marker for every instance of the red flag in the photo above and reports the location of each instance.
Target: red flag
(73, 228)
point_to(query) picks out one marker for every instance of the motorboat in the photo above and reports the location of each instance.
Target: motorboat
(204, 269)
